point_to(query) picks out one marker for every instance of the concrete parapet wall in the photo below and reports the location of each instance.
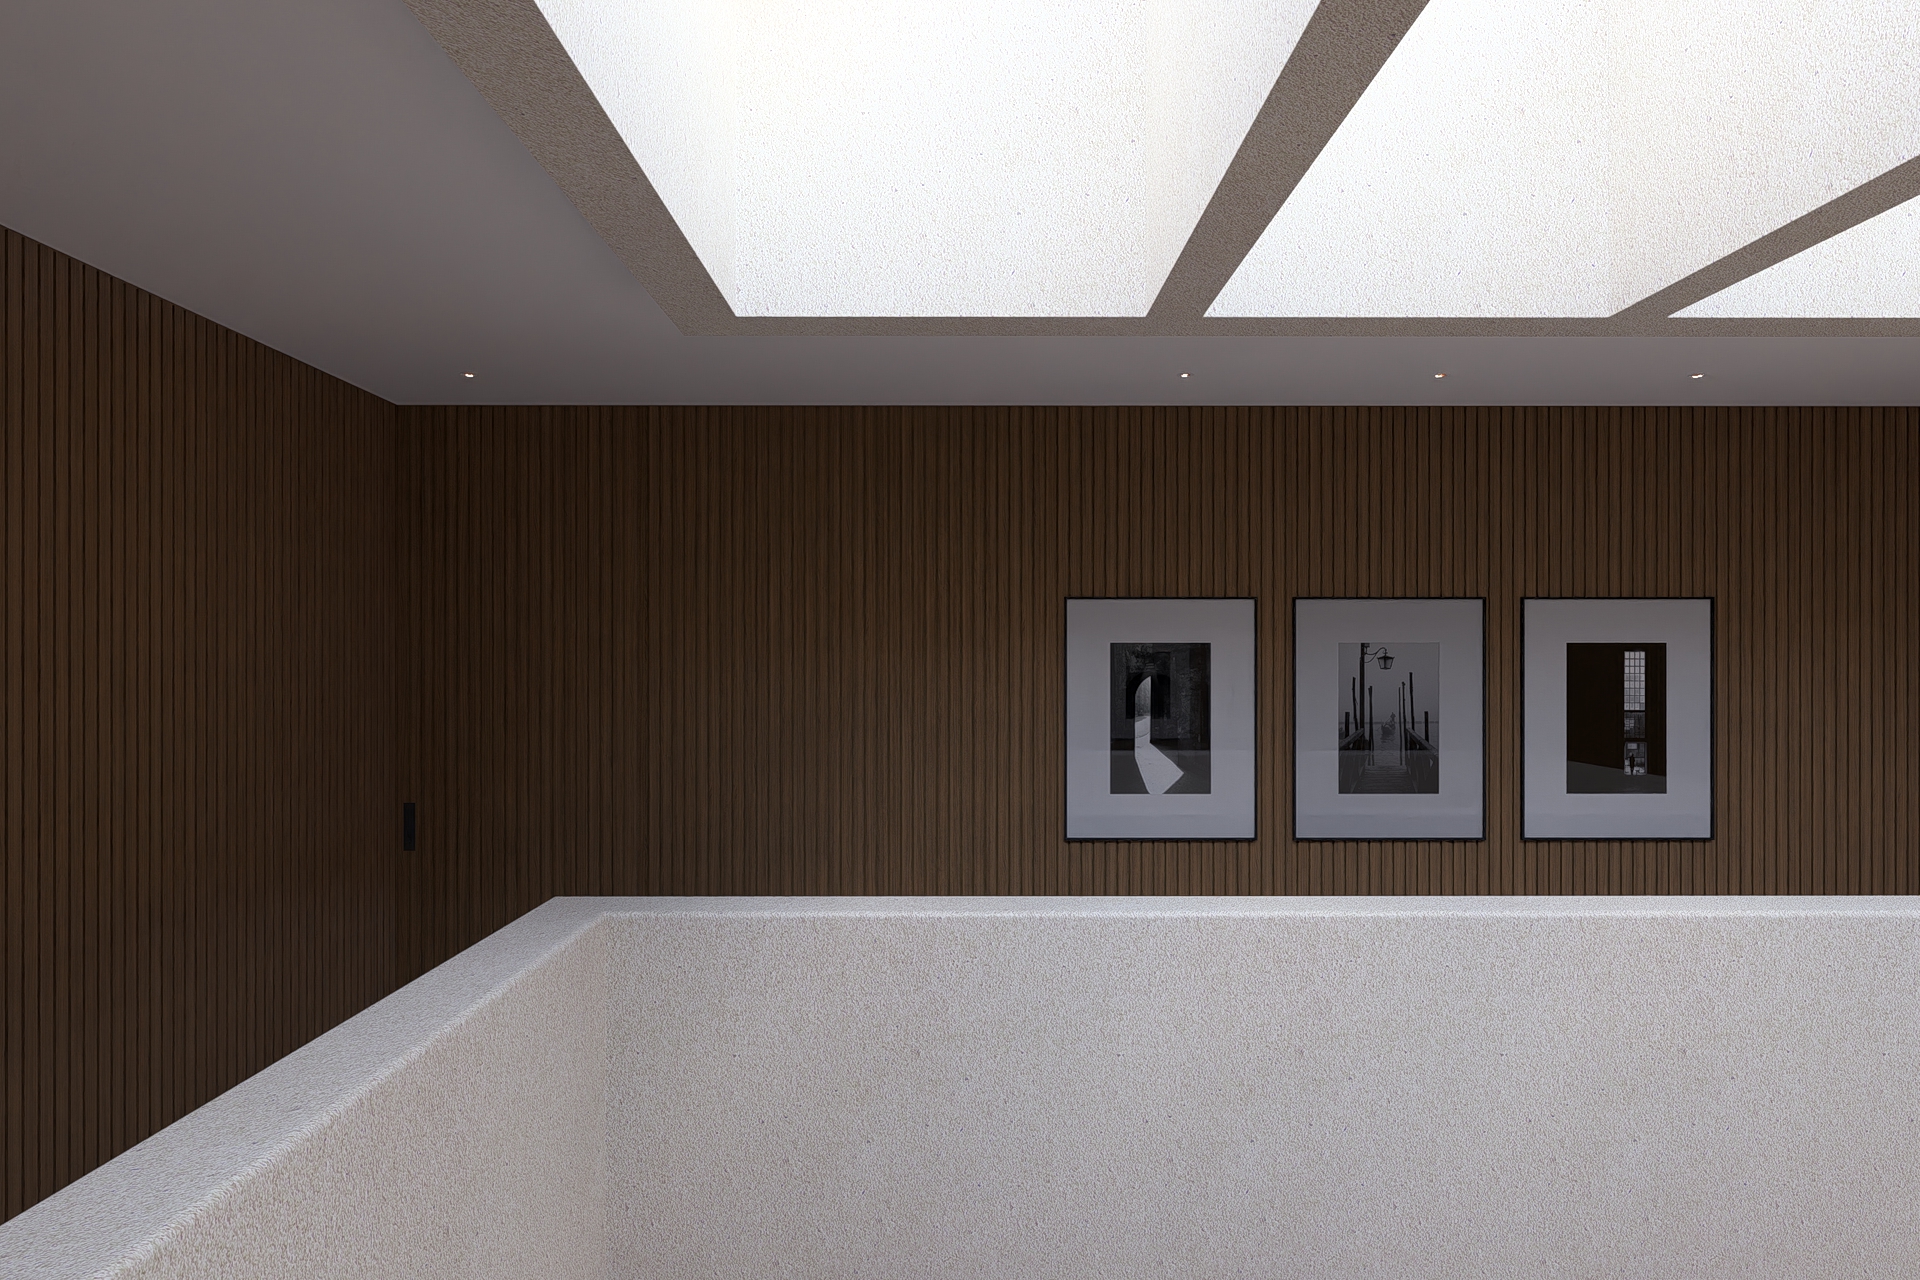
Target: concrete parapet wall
(455, 1129)
(1073, 1087)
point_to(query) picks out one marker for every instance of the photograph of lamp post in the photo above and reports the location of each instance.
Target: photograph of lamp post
(1389, 733)
(1389, 727)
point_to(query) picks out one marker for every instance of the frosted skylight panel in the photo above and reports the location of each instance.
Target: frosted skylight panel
(1461, 184)
(1561, 158)
(933, 157)
(665, 72)
(1871, 271)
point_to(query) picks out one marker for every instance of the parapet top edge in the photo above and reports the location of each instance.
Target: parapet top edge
(1730, 907)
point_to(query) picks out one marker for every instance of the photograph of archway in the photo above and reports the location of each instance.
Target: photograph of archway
(1162, 719)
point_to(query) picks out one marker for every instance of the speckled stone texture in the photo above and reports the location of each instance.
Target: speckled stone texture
(456, 1128)
(1071, 1087)
(1404, 1088)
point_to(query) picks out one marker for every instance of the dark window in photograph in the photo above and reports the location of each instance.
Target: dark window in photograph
(1617, 718)
(1162, 708)
(1389, 699)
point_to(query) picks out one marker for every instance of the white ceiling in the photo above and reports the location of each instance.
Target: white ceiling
(322, 178)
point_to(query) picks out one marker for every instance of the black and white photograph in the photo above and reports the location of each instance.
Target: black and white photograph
(1162, 705)
(1390, 726)
(1390, 706)
(1617, 719)
(1160, 719)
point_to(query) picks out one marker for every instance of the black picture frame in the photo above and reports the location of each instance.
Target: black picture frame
(1366, 828)
(1250, 707)
(1650, 627)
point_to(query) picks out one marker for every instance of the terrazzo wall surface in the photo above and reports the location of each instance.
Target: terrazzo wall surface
(457, 1128)
(1341, 1088)
(1112, 1087)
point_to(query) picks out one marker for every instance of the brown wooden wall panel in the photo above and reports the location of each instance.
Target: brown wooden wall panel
(198, 819)
(249, 608)
(818, 651)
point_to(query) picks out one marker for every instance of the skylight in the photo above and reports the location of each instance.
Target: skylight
(933, 157)
(1567, 158)
(1872, 270)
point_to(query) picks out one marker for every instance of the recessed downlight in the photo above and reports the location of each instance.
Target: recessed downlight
(1439, 375)
(1696, 376)
(466, 375)
(1186, 375)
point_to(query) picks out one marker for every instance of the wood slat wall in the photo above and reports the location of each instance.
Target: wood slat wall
(818, 651)
(197, 814)
(249, 608)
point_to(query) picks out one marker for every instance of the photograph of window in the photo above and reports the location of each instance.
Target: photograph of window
(1617, 719)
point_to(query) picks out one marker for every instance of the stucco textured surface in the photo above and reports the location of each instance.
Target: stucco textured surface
(914, 189)
(1071, 1087)
(1569, 158)
(1872, 269)
(454, 1129)
(1404, 1088)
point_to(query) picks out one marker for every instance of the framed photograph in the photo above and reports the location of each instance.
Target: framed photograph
(1617, 698)
(1390, 711)
(1160, 720)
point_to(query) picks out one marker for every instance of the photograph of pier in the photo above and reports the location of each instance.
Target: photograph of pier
(1389, 731)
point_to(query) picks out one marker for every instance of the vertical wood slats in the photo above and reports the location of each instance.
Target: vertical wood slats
(818, 651)
(778, 651)
(197, 727)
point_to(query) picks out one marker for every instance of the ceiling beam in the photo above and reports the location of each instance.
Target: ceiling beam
(1870, 199)
(1345, 44)
(508, 51)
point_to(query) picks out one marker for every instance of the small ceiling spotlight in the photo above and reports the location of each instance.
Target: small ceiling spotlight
(1439, 375)
(466, 375)
(1186, 375)
(1696, 376)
